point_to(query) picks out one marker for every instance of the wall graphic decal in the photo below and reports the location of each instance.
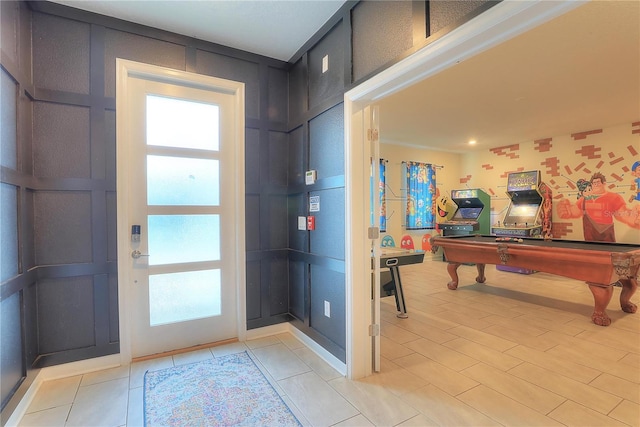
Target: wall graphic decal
(564, 161)
(635, 187)
(598, 207)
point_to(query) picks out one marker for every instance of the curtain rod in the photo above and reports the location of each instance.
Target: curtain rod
(435, 166)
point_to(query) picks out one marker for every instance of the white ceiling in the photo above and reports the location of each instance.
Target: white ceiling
(576, 72)
(273, 28)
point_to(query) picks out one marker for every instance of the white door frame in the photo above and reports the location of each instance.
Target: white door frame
(124, 70)
(497, 25)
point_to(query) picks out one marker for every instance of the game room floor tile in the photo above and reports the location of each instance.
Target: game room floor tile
(517, 350)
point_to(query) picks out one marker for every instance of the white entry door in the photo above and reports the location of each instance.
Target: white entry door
(178, 214)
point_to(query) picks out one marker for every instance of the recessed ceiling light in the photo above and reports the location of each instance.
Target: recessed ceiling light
(472, 142)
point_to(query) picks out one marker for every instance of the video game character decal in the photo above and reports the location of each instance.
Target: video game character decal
(635, 187)
(598, 208)
(445, 208)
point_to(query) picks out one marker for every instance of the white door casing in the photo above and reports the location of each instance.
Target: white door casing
(373, 131)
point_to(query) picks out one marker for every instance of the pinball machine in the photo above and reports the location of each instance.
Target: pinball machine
(528, 213)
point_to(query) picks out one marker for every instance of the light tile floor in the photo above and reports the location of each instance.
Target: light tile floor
(519, 350)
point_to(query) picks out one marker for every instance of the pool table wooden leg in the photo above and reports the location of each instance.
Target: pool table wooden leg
(452, 269)
(601, 296)
(481, 277)
(629, 287)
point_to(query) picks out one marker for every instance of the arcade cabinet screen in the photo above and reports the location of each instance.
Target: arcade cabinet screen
(467, 214)
(521, 214)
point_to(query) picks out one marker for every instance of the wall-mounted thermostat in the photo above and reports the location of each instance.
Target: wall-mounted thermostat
(310, 177)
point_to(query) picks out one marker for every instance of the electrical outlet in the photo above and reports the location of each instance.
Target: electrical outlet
(327, 309)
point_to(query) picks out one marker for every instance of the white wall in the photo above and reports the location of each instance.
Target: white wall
(562, 160)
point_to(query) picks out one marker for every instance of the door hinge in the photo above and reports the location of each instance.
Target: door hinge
(372, 135)
(373, 233)
(374, 330)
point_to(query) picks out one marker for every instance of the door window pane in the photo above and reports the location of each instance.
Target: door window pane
(182, 181)
(178, 297)
(177, 239)
(183, 124)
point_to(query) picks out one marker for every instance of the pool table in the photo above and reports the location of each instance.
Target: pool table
(599, 264)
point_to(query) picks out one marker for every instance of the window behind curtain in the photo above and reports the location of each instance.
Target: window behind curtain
(421, 195)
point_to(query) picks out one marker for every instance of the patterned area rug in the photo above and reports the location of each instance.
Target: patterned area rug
(225, 391)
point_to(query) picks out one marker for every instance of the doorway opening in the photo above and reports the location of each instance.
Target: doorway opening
(497, 25)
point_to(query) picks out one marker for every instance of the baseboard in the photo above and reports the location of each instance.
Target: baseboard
(335, 363)
(280, 328)
(27, 398)
(266, 331)
(56, 372)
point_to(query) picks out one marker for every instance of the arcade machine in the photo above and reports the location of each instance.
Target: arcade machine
(473, 215)
(529, 211)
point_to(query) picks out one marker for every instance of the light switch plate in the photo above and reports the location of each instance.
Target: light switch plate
(302, 223)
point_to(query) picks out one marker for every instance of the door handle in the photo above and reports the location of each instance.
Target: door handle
(391, 262)
(137, 254)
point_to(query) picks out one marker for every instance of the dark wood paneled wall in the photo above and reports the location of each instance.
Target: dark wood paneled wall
(59, 259)
(57, 168)
(360, 40)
